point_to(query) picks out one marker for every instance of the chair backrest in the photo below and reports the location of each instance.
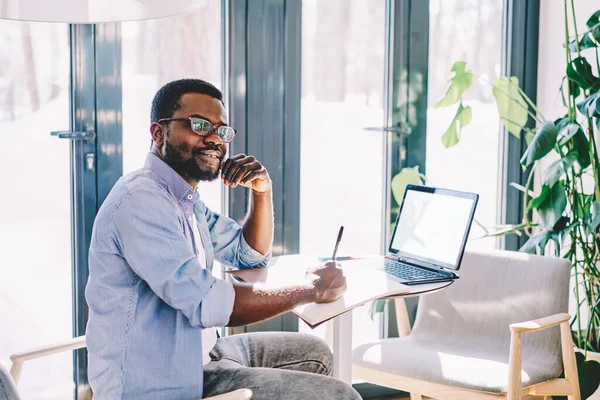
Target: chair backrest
(8, 390)
(496, 289)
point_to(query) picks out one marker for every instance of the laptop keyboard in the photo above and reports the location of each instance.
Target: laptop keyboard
(409, 272)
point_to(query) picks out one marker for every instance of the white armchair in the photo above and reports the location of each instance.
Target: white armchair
(8, 384)
(470, 340)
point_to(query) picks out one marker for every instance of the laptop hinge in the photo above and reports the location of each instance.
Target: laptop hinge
(417, 263)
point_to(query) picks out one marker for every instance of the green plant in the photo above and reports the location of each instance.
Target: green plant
(563, 216)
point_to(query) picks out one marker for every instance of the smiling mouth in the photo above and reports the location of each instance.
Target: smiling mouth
(209, 157)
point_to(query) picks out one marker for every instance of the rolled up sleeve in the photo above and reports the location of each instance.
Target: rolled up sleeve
(151, 237)
(229, 244)
(217, 305)
(251, 257)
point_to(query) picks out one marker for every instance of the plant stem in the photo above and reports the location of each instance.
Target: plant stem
(575, 29)
(597, 60)
(526, 221)
(593, 150)
(568, 53)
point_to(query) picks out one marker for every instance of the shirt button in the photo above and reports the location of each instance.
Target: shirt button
(190, 196)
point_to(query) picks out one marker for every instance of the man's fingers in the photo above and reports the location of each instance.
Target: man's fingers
(245, 170)
(227, 163)
(252, 175)
(231, 169)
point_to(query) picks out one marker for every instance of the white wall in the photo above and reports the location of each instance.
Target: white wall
(551, 62)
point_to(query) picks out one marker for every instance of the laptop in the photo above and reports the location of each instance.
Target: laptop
(430, 235)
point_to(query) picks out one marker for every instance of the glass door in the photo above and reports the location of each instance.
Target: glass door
(343, 165)
(158, 51)
(35, 206)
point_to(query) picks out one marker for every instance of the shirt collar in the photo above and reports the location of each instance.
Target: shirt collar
(169, 179)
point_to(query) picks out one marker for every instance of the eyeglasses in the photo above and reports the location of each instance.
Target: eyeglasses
(204, 128)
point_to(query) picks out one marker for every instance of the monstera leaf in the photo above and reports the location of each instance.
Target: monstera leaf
(459, 83)
(589, 376)
(512, 107)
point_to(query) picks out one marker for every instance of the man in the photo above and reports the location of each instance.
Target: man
(154, 304)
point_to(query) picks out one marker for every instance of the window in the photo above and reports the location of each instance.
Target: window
(35, 214)
(470, 31)
(159, 51)
(342, 165)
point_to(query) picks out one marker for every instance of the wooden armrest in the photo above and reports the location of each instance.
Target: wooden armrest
(70, 344)
(569, 363)
(19, 358)
(240, 394)
(538, 324)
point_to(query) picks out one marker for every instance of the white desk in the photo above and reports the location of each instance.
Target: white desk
(289, 269)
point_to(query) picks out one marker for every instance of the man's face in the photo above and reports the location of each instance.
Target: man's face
(193, 156)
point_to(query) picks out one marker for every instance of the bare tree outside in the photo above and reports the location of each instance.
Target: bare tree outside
(471, 31)
(35, 215)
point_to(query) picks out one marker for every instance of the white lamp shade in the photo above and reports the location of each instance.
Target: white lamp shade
(94, 11)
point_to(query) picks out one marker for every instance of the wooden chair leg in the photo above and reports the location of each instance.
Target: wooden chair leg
(514, 367)
(569, 362)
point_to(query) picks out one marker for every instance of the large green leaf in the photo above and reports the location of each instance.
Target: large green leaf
(573, 87)
(461, 119)
(553, 206)
(459, 83)
(566, 129)
(590, 106)
(540, 240)
(580, 71)
(536, 202)
(550, 204)
(593, 25)
(581, 147)
(589, 378)
(512, 107)
(594, 217)
(583, 207)
(557, 169)
(588, 372)
(542, 144)
(586, 42)
(402, 179)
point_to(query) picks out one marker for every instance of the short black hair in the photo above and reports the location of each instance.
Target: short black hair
(166, 100)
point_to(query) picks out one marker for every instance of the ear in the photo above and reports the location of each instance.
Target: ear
(158, 133)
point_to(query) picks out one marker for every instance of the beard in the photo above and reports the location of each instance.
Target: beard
(189, 168)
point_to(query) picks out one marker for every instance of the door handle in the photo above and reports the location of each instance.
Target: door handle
(75, 135)
(401, 128)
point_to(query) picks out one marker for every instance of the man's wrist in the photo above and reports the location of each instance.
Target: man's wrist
(266, 193)
(310, 292)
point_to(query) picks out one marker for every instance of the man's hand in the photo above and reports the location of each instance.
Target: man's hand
(328, 280)
(246, 171)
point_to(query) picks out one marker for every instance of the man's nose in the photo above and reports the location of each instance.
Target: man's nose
(213, 138)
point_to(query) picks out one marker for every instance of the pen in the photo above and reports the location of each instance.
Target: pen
(343, 258)
(337, 242)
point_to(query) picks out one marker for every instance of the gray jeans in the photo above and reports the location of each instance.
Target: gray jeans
(274, 365)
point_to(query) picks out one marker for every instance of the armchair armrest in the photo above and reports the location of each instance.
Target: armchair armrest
(240, 394)
(568, 355)
(19, 358)
(538, 324)
(78, 343)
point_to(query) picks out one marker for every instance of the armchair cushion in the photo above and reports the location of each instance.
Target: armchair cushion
(465, 362)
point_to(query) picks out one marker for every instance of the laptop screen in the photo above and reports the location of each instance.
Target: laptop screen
(433, 225)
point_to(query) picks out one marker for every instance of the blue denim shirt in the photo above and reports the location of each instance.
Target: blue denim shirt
(148, 296)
